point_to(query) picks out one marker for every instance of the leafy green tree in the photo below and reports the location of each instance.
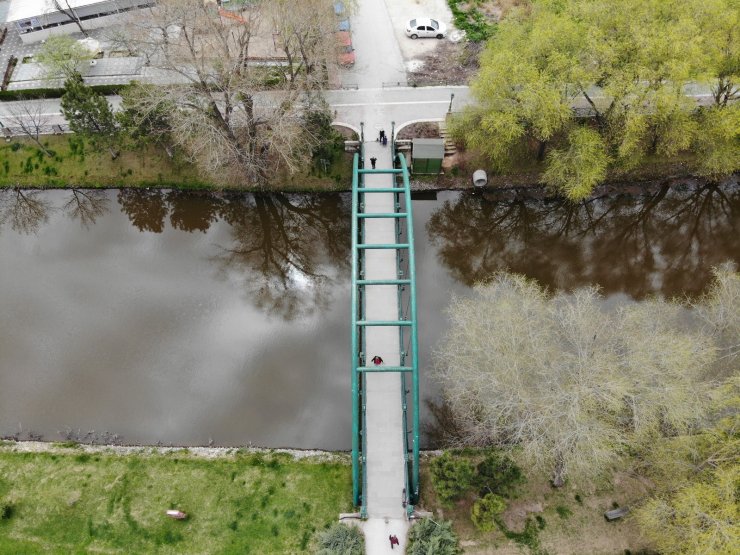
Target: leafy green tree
(145, 123)
(428, 537)
(89, 114)
(718, 141)
(62, 56)
(497, 473)
(623, 64)
(485, 510)
(577, 169)
(696, 508)
(452, 476)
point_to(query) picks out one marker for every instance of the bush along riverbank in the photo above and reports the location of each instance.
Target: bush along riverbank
(67, 498)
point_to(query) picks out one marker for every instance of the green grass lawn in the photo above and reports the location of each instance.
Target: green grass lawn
(76, 163)
(70, 501)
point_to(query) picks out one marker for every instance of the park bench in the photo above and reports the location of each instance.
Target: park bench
(616, 514)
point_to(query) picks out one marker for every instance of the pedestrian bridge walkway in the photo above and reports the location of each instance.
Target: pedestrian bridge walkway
(385, 397)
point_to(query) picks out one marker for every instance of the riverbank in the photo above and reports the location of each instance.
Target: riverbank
(75, 164)
(65, 497)
(68, 161)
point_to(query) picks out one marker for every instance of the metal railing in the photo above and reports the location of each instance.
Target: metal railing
(406, 320)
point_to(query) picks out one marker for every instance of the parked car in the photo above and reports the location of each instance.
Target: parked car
(424, 27)
(345, 50)
(341, 12)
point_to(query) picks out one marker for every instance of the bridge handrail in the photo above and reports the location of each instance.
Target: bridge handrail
(355, 346)
(413, 488)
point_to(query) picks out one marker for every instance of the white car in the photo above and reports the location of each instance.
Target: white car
(423, 27)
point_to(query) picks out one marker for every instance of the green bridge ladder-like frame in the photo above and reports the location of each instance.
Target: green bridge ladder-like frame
(404, 322)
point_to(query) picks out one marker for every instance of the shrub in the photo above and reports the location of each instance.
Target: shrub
(452, 476)
(6, 510)
(485, 510)
(341, 539)
(428, 537)
(498, 474)
(563, 511)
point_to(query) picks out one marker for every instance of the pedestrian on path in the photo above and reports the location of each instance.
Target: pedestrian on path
(394, 540)
(381, 135)
(377, 361)
(372, 161)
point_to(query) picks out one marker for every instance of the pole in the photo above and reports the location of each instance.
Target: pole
(452, 97)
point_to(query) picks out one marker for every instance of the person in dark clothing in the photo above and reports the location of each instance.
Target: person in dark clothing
(381, 135)
(394, 540)
(372, 161)
(377, 361)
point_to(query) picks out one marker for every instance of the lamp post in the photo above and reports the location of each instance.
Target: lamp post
(452, 97)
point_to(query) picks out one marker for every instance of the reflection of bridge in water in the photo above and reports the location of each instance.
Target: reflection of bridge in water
(385, 441)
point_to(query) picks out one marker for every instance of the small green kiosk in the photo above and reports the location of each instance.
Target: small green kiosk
(427, 156)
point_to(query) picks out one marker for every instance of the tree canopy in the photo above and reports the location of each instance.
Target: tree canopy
(236, 117)
(62, 56)
(696, 508)
(573, 385)
(89, 113)
(620, 70)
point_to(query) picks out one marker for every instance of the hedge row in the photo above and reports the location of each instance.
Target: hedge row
(27, 94)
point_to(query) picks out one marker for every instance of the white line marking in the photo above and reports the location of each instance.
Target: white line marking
(392, 103)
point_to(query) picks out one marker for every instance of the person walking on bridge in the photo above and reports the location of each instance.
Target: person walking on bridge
(372, 161)
(377, 361)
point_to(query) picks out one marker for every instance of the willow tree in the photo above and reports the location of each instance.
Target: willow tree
(620, 68)
(695, 507)
(219, 108)
(573, 386)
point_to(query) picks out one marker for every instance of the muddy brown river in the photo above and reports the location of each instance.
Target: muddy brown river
(188, 319)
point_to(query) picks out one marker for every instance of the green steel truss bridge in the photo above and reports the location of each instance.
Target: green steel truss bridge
(385, 437)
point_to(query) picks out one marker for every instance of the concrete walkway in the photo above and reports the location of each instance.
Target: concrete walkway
(384, 416)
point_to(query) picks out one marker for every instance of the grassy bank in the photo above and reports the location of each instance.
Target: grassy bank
(76, 163)
(71, 501)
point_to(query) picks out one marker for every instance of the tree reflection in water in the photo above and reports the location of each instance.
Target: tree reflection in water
(289, 250)
(145, 208)
(86, 205)
(24, 210)
(662, 242)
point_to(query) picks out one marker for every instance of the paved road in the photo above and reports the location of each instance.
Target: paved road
(378, 55)
(373, 106)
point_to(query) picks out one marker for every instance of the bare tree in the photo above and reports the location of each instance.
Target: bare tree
(720, 312)
(290, 250)
(86, 206)
(217, 112)
(29, 117)
(306, 36)
(569, 383)
(66, 9)
(24, 210)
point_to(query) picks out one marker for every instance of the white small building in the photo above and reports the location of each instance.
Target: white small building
(36, 20)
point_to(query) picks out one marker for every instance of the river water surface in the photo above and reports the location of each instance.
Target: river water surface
(188, 319)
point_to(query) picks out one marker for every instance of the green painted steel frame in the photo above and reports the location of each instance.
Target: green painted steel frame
(359, 483)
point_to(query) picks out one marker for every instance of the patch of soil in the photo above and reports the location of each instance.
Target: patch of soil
(449, 64)
(423, 130)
